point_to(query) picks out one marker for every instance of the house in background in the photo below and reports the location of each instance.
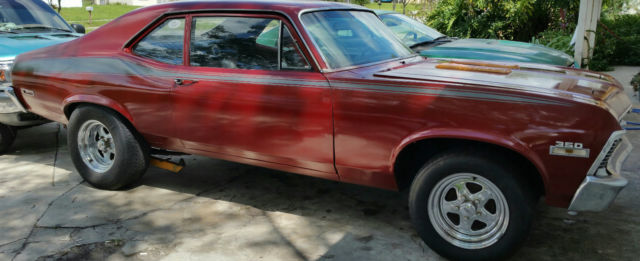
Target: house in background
(132, 2)
(65, 3)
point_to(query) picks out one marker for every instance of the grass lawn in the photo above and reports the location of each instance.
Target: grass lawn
(102, 14)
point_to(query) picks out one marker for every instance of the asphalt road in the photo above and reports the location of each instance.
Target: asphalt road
(218, 210)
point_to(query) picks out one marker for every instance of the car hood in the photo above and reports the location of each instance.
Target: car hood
(13, 44)
(538, 79)
(498, 50)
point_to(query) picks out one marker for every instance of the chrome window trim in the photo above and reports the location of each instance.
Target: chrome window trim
(605, 149)
(329, 69)
(187, 12)
(280, 25)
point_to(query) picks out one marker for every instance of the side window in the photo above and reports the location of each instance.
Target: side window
(165, 43)
(234, 42)
(292, 58)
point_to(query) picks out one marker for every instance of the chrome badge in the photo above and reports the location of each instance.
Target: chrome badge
(569, 149)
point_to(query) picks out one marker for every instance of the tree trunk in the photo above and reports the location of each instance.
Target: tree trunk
(59, 5)
(394, 5)
(404, 6)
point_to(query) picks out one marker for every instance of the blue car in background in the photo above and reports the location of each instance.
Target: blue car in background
(25, 25)
(431, 43)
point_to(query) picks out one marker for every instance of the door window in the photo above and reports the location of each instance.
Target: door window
(292, 58)
(165, 43)
(243, 43)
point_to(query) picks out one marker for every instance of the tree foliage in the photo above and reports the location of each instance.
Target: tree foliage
(502, 19)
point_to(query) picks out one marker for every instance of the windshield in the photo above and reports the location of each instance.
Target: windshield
(409, 31)
(29, 16)
(348, 38)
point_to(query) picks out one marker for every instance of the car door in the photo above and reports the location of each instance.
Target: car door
(249, 94)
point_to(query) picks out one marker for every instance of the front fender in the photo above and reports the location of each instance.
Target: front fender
(506, 142)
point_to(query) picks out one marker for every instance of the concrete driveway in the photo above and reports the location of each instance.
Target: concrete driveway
(217, 210)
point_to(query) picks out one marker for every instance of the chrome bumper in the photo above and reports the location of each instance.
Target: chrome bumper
(12, 112)
(9, 102)
(598, 191)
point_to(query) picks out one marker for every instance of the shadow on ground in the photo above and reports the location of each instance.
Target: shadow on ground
(226, 211)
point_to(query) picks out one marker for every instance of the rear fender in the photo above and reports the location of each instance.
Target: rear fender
(69, 102)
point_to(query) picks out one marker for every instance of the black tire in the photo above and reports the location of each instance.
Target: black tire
(7, 137)
(518, 195)
(131, 158)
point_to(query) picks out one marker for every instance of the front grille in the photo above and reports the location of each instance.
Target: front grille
(605, 161)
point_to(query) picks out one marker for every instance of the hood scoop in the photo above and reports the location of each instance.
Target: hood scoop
(474, 66)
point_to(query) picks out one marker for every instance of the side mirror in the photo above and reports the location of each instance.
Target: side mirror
(78, 28)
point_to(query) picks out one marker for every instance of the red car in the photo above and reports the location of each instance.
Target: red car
(324, 89)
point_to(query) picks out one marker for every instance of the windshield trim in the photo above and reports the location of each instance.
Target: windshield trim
(324, 59)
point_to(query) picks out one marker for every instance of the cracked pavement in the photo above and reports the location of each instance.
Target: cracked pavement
(218, 210)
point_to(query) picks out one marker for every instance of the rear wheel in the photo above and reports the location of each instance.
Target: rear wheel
(105, 151)
(470, 207)
(7, 136)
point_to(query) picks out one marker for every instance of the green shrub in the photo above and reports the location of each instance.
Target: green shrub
(556, 39)
(617, 42)
(503, 19)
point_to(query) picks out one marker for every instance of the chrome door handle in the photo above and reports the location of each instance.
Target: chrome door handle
(180, 81)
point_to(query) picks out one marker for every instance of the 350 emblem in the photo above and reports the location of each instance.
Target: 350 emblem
(569, 149)
(574, 145)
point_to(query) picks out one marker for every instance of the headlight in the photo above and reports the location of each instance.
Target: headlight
(5, 71)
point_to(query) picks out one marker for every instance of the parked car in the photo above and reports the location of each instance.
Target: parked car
(335, 95)
(25, 25)
(431, 43)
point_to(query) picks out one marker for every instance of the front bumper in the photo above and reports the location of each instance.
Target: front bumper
(13, 113)
(598, 191)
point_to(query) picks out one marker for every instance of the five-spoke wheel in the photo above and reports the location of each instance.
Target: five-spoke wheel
(467, 206)
(468, 210)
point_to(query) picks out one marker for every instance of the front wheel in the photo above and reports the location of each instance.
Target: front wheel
(7, 136)
(105, 151)
(470, 207)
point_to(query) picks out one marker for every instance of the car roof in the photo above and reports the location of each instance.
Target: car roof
(289, 6)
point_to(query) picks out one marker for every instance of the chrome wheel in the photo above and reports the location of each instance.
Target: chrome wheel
(96, 146)
(468, 211)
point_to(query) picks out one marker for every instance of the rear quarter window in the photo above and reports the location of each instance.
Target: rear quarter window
(165, 43)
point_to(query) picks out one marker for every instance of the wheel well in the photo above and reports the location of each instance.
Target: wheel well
(415, 155)
(72, 107)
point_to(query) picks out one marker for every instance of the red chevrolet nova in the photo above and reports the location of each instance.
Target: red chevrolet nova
(323, 89)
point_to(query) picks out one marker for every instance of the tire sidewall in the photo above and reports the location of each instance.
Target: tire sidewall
(126, 166)
(519, 202)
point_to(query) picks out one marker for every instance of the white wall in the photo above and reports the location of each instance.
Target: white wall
(132, 2)
(66, 3)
